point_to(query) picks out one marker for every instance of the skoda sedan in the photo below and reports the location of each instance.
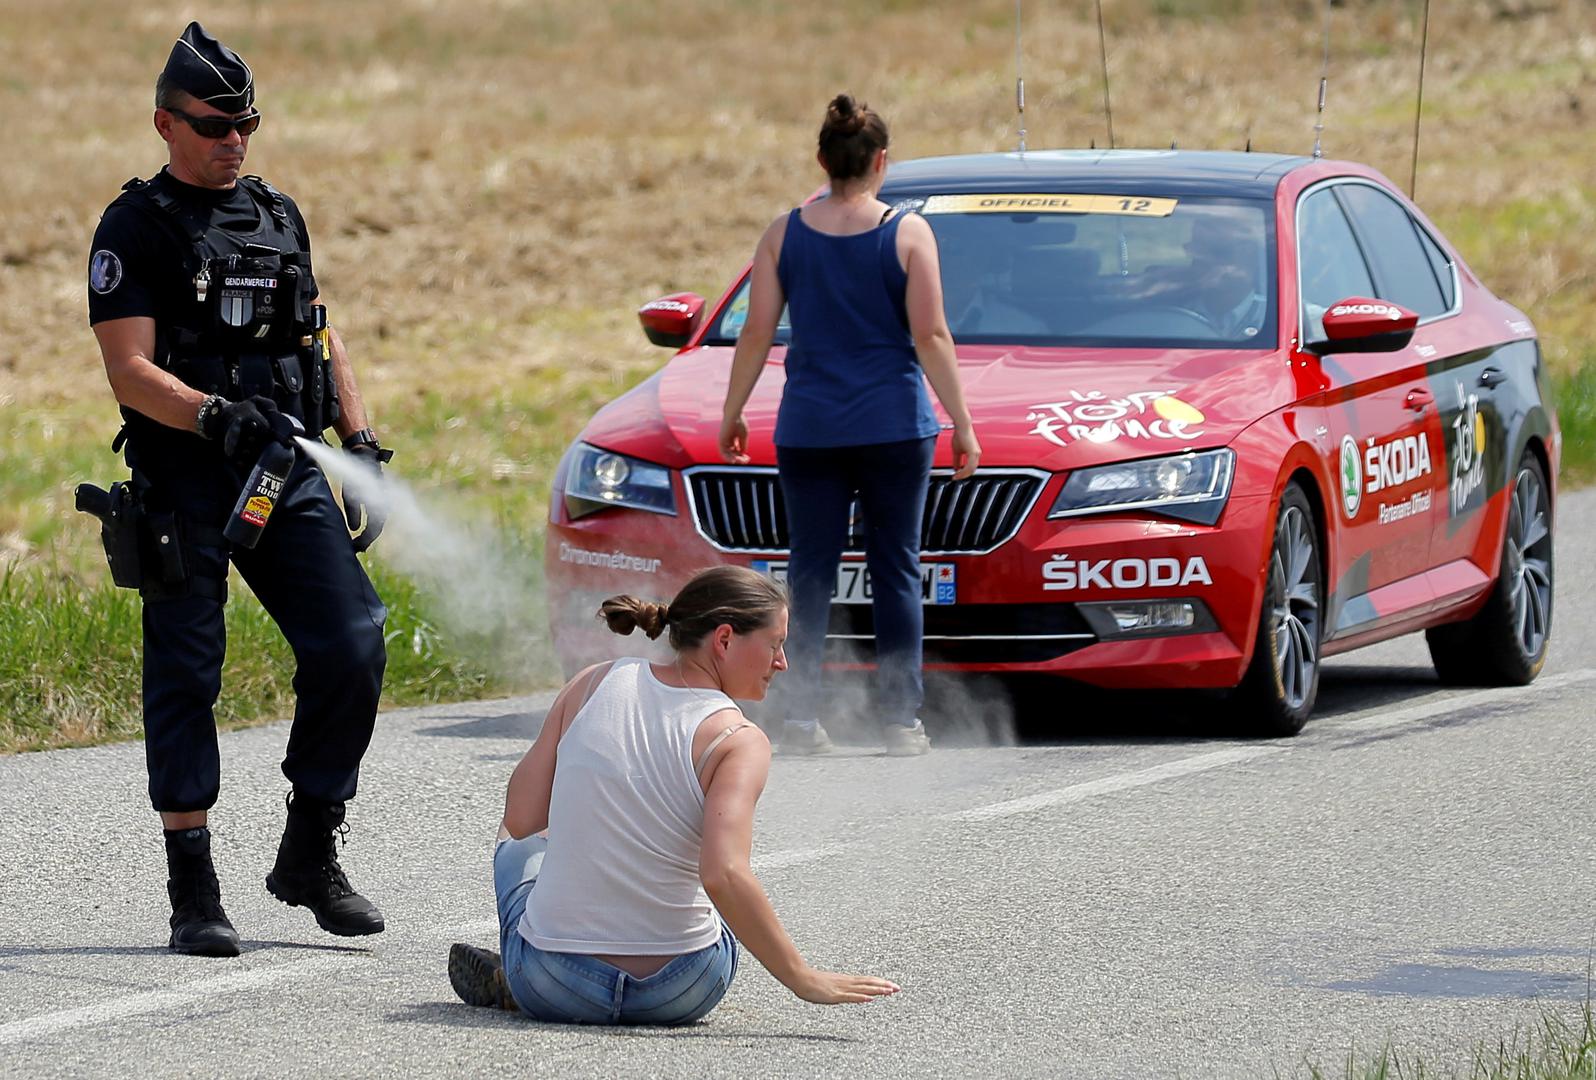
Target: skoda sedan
(1239, 412)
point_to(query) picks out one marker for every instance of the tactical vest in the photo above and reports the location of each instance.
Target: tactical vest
(246, 326)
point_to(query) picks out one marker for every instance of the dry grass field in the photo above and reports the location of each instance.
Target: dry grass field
(494, 186)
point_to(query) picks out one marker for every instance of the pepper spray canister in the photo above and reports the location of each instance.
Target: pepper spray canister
(261, 493)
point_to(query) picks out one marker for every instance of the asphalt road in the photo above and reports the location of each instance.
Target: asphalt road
(1134, 897)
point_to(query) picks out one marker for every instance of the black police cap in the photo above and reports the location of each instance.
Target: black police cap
(209, 71)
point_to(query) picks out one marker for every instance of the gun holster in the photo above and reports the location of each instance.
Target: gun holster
(147, 548)
(121, 515)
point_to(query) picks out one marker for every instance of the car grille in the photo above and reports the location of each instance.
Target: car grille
(742, 510)
(968, 633)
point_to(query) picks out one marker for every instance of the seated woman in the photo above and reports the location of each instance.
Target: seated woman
(622, 869)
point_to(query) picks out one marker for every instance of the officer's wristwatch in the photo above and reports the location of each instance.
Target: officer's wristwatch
(365, 437)
(207, 412)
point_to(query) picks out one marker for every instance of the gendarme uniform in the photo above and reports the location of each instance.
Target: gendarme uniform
(226, 275)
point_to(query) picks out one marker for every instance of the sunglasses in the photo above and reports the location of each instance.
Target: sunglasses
(217, 127)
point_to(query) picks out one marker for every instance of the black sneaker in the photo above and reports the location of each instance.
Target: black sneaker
(199, 925)
(307, 872)
(477, 976)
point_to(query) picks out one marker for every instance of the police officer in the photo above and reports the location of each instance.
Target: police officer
(206, 310)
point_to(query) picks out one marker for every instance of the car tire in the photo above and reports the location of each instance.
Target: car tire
(1282, 681)
(1505, 642)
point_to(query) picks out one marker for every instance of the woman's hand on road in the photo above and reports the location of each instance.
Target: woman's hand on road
(834, 988)
(966, 452)
(734, 440)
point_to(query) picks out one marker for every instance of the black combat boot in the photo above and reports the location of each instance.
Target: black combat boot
(307, 873)
(199, 925)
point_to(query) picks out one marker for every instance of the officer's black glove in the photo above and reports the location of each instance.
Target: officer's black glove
(245, 427)
(364, 500)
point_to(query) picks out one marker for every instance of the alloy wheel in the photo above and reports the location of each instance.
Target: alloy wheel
(1294, 618)
(1529, 538)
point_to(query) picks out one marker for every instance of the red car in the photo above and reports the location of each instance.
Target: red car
(1239, 412)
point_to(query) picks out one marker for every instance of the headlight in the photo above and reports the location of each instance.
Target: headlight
(1192, 487)
(598, 479)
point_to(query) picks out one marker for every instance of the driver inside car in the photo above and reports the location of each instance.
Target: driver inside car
(1220, 287)
(1225, 286)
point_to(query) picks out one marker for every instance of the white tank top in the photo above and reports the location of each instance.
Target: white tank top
(626, 819)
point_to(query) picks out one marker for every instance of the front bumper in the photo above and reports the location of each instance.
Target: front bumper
(1019, 607)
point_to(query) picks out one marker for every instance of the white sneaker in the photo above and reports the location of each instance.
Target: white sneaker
(906, 741)
(804, 740)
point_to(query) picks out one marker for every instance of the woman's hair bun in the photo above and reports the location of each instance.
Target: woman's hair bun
(844, 116)
(623, 614)
(850, 137)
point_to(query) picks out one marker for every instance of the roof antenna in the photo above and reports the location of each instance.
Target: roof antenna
(1418, 109)
(1019, 76)
(1102, 48)
(1324, 81)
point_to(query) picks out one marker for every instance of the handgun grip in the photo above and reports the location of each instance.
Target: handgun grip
(92, 500)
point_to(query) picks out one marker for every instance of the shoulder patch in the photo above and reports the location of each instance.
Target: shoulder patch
(105, 271)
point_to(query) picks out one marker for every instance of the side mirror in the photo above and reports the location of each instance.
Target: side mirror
(671, 320)
(1361, 325)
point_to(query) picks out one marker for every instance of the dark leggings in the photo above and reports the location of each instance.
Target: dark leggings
(819, 484)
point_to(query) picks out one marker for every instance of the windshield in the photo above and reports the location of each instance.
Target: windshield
(1093, 270)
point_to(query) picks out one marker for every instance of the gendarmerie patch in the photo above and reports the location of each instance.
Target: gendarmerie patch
(238, 307)
(105, 271)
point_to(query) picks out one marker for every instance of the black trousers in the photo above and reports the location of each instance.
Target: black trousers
(305, 574)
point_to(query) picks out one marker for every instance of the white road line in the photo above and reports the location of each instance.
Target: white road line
(1455, 703)
(1379, 721)
(1120, 782)
(152, 1001)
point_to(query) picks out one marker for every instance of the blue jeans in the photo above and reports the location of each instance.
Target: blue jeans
(818, 484)
(574, 988)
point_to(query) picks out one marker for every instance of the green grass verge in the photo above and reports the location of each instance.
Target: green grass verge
(1553, 1049)
(71, 654)
(69, 660)
(70, 649)
(1575, 395)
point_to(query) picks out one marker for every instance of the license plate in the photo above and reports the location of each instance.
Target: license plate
(938, 581)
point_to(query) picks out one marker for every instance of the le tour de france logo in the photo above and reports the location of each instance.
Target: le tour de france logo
(1102, 418)
(1468, 451)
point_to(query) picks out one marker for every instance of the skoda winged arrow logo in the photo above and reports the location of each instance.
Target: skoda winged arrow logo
(1351, 477)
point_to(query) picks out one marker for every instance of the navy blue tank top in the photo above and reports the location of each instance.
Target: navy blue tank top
(853, 378)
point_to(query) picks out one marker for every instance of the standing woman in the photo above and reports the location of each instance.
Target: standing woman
(863, 288)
